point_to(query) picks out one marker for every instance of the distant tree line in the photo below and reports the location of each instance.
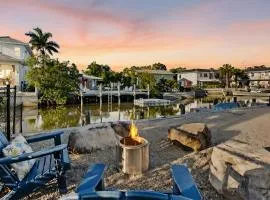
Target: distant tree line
(56, 80)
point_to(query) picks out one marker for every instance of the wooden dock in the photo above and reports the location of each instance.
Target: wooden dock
(251, 94)
(152, 102)
(112, 92)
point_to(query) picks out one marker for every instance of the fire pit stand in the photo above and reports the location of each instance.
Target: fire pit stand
(133, 155)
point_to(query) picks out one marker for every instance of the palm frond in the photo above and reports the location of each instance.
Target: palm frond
(50, 52)
(46, 36)
(39, 31)
(52, 49)
(53, 44)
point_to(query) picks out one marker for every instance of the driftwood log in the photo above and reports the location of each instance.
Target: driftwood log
(196, 136)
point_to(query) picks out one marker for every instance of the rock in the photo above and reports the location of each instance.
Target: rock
(121, 128)
(93, 137)
(195, 135)
(240, 169)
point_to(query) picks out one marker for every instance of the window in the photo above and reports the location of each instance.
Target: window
(17, 51)
(252, 74)
(205, 75)
(210, 76)
(201, 75)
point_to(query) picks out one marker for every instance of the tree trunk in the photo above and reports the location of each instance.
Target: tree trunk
(227, 81)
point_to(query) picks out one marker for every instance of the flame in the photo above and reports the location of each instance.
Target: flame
(133, 133)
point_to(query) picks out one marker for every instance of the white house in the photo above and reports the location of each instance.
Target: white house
(12, 56)
(259, 77)
(198, 77)
(88, 82)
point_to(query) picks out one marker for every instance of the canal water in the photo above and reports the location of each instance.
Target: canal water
(36, 120)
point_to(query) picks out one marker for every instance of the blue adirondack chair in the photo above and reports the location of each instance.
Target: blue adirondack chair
(92, 187)
(50, 163)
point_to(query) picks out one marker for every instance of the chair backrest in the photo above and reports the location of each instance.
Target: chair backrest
(6, 175)
(3, 143)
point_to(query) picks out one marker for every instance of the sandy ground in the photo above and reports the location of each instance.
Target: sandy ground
(246, 125)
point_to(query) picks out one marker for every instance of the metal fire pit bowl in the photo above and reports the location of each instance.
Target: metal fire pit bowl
(134, 155)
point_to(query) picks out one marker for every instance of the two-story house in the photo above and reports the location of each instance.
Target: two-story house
(198, 77)
(259, 77)
(12, 61)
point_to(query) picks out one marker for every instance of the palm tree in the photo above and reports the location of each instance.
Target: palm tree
(238, 74)
(226, 71)
(40, 42)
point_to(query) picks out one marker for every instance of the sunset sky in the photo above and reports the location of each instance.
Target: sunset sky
(122, 33)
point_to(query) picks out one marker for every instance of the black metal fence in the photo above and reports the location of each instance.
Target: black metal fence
(10, 112)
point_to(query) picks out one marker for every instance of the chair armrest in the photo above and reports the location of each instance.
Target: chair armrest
(93, 179)
(184, 183)
(28, 156)
(46, 136)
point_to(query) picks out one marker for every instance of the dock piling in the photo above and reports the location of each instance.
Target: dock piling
(182, 109)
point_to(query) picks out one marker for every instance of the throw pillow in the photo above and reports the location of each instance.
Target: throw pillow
(17, 147)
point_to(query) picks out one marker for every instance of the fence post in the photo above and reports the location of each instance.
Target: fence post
(8, 112)
(134, 92)
(14, 110)
(21, 117)
(148, 91)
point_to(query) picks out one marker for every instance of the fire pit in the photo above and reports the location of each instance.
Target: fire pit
(133, 153)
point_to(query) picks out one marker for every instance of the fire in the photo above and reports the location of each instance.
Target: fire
(133, 131)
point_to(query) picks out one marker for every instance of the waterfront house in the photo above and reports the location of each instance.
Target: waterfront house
(88, 82)
(199, 77)
(158, 74)
(12, 66)
(259, 77)
(185, 83)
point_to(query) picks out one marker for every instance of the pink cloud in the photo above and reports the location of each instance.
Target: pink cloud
(182, 38)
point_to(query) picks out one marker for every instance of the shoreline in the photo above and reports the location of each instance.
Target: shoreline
(246, 125)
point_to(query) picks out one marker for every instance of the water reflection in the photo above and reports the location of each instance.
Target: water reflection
(70, 116)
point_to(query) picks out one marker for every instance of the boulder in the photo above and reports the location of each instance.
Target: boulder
(121, 128)
(92, 137)
(241, 170)
(195, 135)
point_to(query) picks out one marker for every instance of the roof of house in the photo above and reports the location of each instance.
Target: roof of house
(9, 40)
(8, 58)
(184, 79)
(91, 77)
(258, 70)
(155, 71)
(198, 70)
